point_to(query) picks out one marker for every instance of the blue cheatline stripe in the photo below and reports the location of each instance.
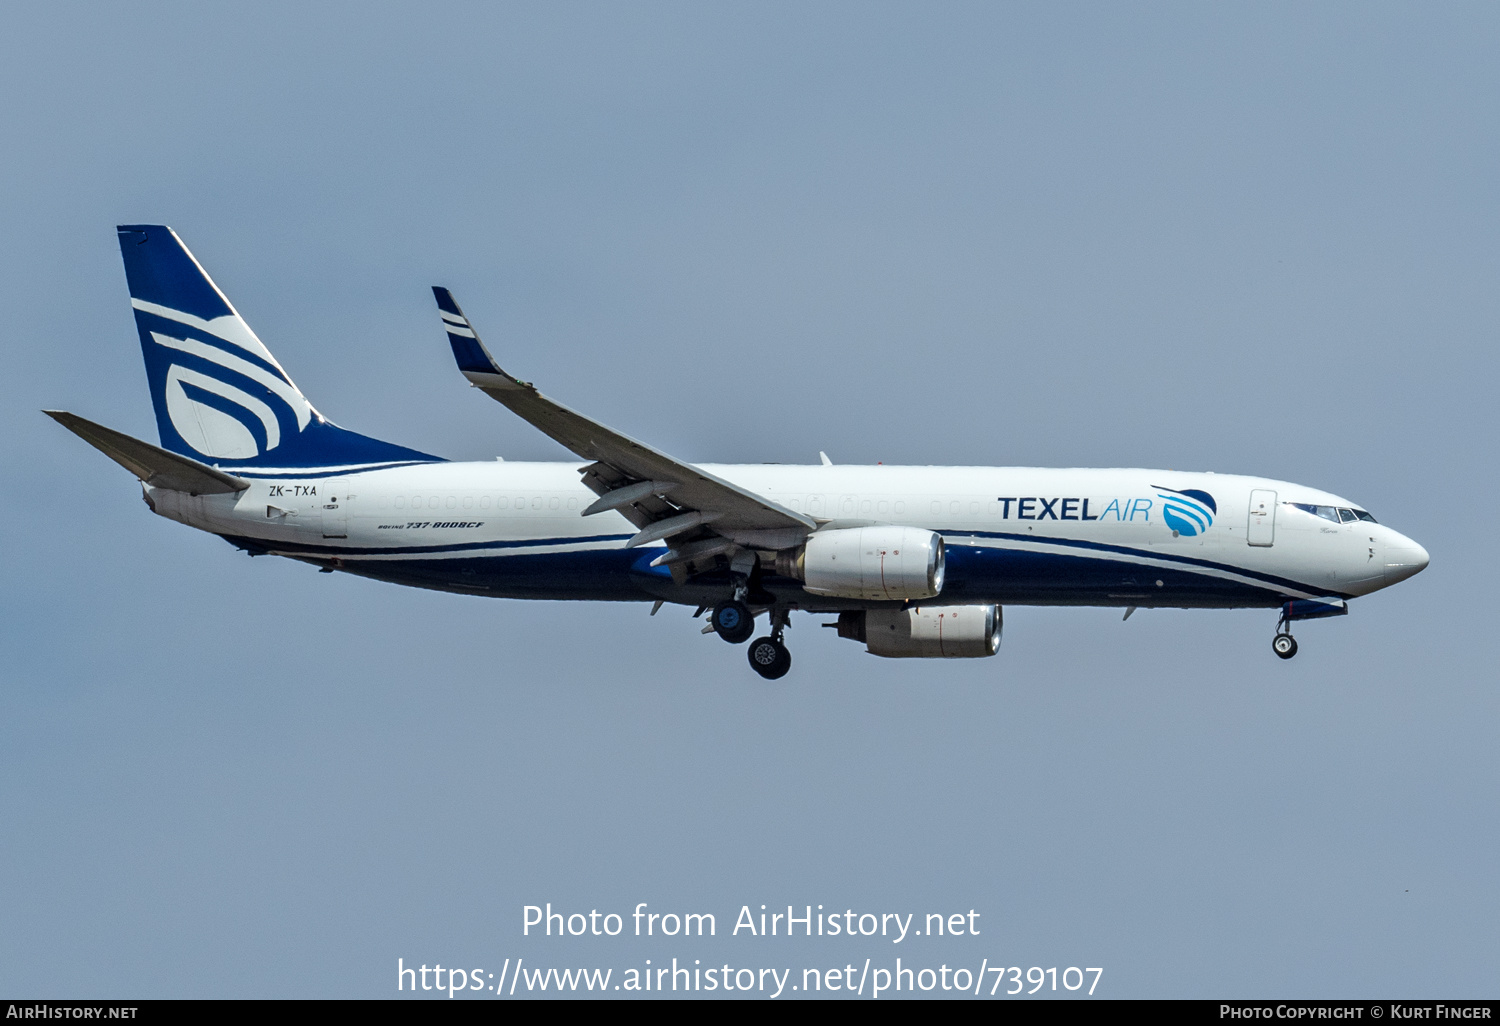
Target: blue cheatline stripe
(414, 550)
(277, 475)
(1282, 582)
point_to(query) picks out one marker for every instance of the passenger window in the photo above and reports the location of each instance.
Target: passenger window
(484, 502)
(900, 507)
(385, 500)
(503, 502)
(973, 507)
(400, 502)
(554, 503)
(953, 507)
(882, 506)
(572, 503)
(864, 507)
(1347, 515)
(432, 502)
(536, 503)
(520, 502)
(452, 502)
(468, 502)
(936, 507)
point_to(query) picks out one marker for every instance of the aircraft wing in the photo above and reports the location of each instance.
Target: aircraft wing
(663, 496)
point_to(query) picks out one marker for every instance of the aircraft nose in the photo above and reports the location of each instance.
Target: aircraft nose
(1403, 558)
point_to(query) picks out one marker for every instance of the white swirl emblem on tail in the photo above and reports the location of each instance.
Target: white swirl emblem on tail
(282, 388)
(207, 426)
(212, 431)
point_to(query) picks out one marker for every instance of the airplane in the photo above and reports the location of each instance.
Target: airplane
(912, 561)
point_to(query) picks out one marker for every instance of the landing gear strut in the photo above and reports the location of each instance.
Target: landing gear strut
(769, 656)
(1283, 644)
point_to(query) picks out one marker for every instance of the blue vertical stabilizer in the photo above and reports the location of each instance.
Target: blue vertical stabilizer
(220, 396)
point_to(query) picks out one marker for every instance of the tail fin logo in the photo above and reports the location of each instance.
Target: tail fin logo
(1188, 512)
(225, 404)
(217, 391)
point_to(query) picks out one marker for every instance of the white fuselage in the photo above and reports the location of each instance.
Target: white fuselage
(1017, 535)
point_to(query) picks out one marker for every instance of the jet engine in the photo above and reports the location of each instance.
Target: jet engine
(925, 632)
(879, 563)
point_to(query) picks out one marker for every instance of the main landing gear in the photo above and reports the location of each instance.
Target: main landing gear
(733, 621)
(769, 656)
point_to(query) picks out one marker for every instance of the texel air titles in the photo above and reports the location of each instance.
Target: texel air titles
(912, 561)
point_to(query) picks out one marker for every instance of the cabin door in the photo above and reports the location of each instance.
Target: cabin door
(1262, 529)
(335, 507)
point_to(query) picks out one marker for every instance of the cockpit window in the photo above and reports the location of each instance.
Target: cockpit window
(1326, 512)
(1365, 516)
(1347, 515)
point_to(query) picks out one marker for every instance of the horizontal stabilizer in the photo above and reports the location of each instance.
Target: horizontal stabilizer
(152, 464)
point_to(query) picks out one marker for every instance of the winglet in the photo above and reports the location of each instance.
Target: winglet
(472, 357)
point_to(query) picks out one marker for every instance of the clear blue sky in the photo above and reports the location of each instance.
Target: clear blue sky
(1247, 238)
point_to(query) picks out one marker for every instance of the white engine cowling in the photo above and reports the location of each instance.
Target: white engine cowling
(880, 563)
(926, 632)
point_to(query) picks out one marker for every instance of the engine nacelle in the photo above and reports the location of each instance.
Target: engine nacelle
(880, 563)
(925, 632)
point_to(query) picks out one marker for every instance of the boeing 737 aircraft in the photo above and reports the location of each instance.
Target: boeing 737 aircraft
(914, 561)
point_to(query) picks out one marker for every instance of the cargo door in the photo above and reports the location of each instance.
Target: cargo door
(1262, 529)
(335, 507)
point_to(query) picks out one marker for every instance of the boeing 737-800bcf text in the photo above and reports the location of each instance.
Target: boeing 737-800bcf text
(914, 561)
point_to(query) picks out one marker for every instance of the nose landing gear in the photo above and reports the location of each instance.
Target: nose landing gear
(1283, 644)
